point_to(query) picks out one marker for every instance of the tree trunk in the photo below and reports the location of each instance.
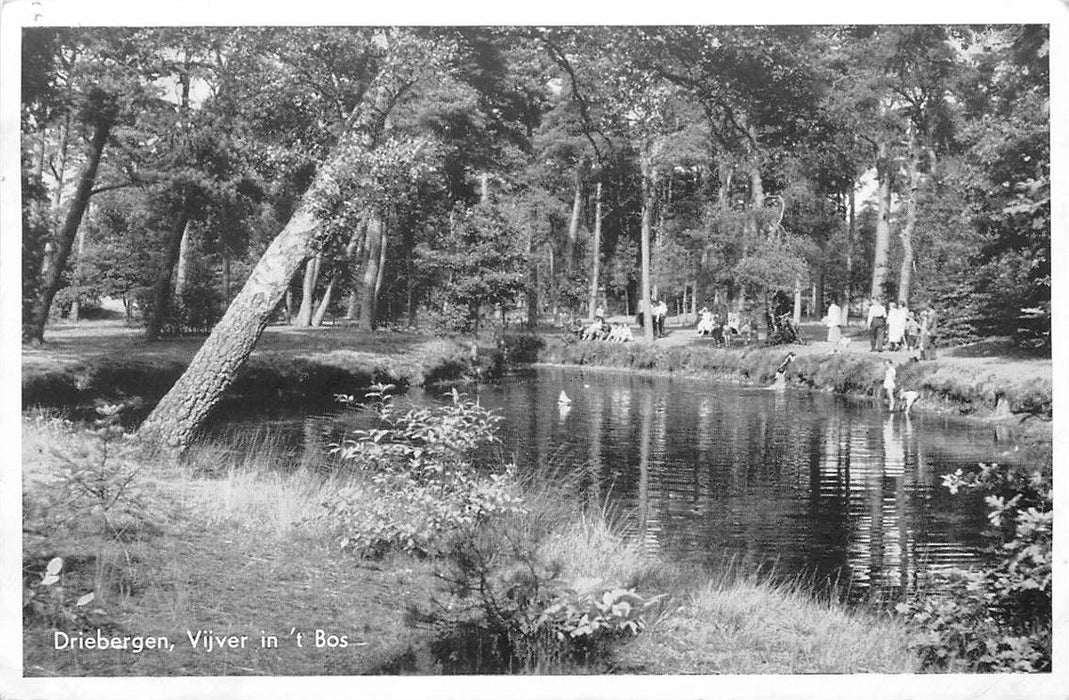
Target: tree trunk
(76, 307)
(573, 226)
(354, 252)
(880, 262)
(381, 271)
(324, 305)
(532, 289)
(181, 413)
(181, 275)
(595, 257)
(65, 239)
(161, 291)
(375, 232)
(183, 410)
(311, 276)
(796, 317)
(851, 235)
(649, 181)
(905, 273)
(289, 305)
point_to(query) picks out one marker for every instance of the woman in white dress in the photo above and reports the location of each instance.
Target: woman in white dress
(896, 325)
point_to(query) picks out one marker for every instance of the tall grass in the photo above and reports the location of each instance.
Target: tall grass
(746, 625)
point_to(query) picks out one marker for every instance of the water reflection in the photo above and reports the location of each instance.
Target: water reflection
(806, 483)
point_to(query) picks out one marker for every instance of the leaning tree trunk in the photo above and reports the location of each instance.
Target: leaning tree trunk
(880, 261)
(181, 413)
(183, 410)
(65, 239)
(161, 291)
(905, 273)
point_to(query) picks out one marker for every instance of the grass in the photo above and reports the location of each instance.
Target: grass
(965, 385)
(749, 626)
(78, 368)
(231, 545)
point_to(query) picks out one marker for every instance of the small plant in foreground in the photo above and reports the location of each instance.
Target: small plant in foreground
(998, 619)
(46, 599)
(508, 608)
(418, 485)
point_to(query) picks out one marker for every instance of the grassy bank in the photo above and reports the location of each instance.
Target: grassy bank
(233, 540)
(945, 383)
(288, 366)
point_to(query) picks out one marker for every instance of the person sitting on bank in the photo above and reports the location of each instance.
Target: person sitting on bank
(706, 321)
(594, 330)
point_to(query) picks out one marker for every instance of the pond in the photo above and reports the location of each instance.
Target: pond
(800, 484)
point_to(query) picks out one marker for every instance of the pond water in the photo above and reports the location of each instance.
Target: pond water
(830, 489)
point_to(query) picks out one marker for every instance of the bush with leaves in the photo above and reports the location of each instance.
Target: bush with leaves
(508, 608)
(998, 619)
(419, 485)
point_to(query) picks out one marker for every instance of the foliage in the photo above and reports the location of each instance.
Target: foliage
(97, 485)
(998, 619)
(420, 486)
(520, 611)
(47, 599)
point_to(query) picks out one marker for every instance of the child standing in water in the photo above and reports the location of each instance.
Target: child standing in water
(889, 383)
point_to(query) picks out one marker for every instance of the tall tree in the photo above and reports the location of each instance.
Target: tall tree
(178, 416)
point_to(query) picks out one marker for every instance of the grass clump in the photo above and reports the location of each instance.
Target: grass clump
(749, 626)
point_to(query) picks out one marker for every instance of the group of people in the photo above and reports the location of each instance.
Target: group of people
(709, 325)
(899, 328)
(658, 312)
(600, 329)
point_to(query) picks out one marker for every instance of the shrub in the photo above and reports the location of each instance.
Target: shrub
(418, 486)
(998, 619)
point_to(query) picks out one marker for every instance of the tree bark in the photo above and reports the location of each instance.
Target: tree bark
(324, 305)
(880, 263)
(354, 252)
(905, 272)
(183, 410)
(851, 235)
(181, 275)
(161, 291)
(375, 231)
(65, 239)
(595, 257)
(573, 225)
(649, 181)
(76, 307)
(311, 276)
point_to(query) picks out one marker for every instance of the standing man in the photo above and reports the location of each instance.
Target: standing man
(662, 314)
(876, 323)
(834, 322)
